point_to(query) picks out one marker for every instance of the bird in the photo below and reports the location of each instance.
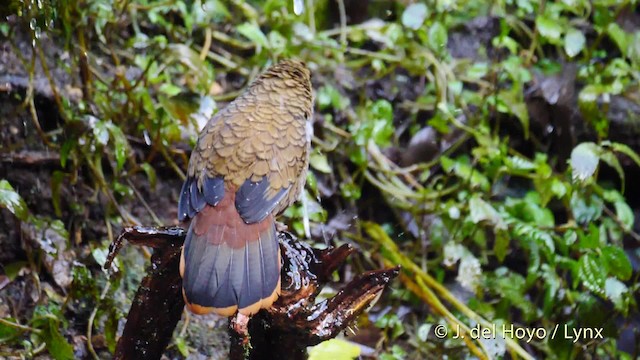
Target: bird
(249, 164)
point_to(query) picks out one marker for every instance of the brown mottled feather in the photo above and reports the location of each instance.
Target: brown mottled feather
(257, 148)
(268, 122)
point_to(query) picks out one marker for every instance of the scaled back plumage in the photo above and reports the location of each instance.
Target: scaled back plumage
(249, 163)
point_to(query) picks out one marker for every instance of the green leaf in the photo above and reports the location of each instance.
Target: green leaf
(423, 331)
(414, 15)
(501, 245)
(625, 149)
(12, 270)
(584, 160)
(334, 349)
(586, 210)
(610, 159)
(12, 201)
(253, 33)
(390, 321)
(625, 215)
(328, 97)
(549, 28)
(57, 345)
(7, 332)
(591, 274)
(480, 210)
(56, 181)
(619, 36)
(574, 42)
(617, 262)
(65, 151)
(181, 344)
(478, 70)
(111, 329)
(151, 174)
(614, 290)
(319, 162)
(377, 126)
(438, 36)
(121, 145)
(101, 132)
(518, 163)
(277, 42)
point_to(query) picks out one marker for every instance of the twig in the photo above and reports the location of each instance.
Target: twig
(92, 318)
(19, 326)
(144, 203)
(207, 44)
(343, 23)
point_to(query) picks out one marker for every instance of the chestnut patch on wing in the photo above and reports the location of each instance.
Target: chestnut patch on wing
(222, 224)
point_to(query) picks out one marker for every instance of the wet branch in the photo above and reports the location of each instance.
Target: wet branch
(295, 321)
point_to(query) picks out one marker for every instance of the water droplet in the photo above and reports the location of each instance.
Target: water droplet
(38, 32)
(32, 23)
(298, 7)
(147, 138)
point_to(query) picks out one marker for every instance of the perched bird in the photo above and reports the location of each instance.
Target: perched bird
(248, 166)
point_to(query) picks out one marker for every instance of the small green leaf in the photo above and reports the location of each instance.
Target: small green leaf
(377, 126)
(610, 159)
(423, 332)
(619, 36)
(625, 149)
(111, 329)
(6, 331)
(501, 245)
(617, 262)
(478, 70)
(519, 163)
(584, 161)
(12, 270)
(438, 36)
(121, 145)
(319, 162)
(549, 28)
(151, 174)
(101, 132)
(65, 151)
(591, 274)
(414, 15)
(56, 181)
(480, 210)
(253, 33)
(181, 344)
(328, 97)
(586, 210)
(277, 42)
(574, 42)
(614, 290)
(624, 214)
(57, 345)
(334, 349)
(12, 201)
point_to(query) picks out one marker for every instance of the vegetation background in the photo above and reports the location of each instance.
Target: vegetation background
(489, 147)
